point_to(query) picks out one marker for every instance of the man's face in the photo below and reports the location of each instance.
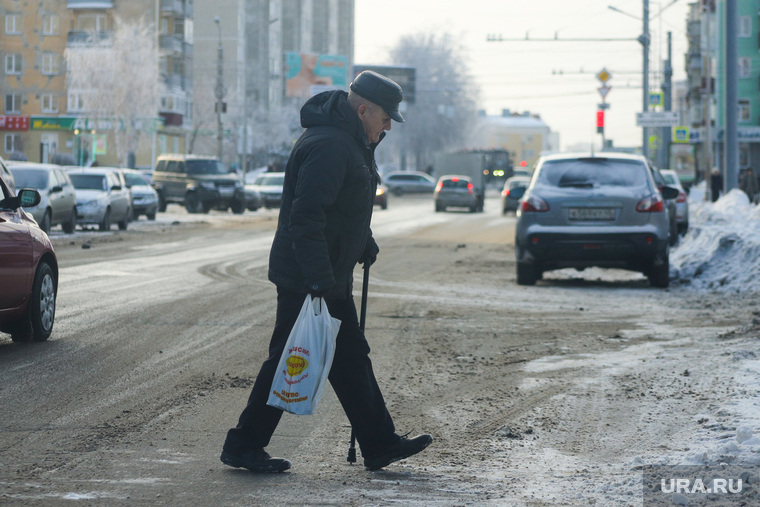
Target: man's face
(375, 120)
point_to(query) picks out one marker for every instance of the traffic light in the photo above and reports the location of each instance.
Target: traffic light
(600, 121)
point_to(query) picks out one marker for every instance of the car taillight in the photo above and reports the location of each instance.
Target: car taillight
(439, 186)
(533, 203)
(652, 204)
(505, 193)
(469, 187)
(681, 197)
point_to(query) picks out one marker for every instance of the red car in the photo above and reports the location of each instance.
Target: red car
(28, 269)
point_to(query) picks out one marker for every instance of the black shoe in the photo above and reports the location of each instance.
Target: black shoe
(257, 461)
(404, 448)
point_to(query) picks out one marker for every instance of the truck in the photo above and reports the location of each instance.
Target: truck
(481, 166)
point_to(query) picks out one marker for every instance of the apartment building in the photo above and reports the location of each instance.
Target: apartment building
(44, 120)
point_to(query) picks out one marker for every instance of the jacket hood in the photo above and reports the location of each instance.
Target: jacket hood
(331, 109)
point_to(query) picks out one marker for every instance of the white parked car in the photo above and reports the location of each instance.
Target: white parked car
(682, 203)
(101, 198)
(144, 196)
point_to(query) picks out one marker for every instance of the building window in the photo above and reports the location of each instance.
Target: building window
(12, 143)
(13, 24)
(745, 67)
(50, 65)
(13, 103)
(49, 103)
(75, 102)
(745, 112)
(51, 25)
(745, 26)
(91, 22)
(13, 64)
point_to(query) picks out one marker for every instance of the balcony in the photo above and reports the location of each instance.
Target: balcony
(89, 4)
(172, 43)
(88, 38)
(178, 7)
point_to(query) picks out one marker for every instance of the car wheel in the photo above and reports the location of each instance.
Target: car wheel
(71, 224)
(527, 274)
(39, 324)
(439, 208)
(105, 225)
(193, 203)
(161, 202)
(238, 207)
(384, 205)
(45, 223)
(659, 274)
(151, 215)
(123, 223)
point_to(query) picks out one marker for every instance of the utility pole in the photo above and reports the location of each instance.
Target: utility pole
(707, 98)
(219, 92)
(663, 160)
(644, 40)
(731, 174)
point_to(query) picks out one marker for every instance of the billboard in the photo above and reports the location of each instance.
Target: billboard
(405, 76)
(308, 74)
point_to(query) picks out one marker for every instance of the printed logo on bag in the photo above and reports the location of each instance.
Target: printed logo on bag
(296, 365)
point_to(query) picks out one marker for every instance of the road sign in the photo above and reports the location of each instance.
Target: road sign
(655, 99)
(658, 119)
(604, 90)
(604, 76)
(680, 134)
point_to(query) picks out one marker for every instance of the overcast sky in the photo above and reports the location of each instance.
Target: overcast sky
(525, 76)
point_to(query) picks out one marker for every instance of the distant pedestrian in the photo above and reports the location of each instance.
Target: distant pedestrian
(748, 183)
(716, 185)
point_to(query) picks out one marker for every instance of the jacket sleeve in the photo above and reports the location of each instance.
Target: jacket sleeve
(320, 178)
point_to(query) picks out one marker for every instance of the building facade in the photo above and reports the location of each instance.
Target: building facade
(44, 120)
(524, 135)
(262, 42)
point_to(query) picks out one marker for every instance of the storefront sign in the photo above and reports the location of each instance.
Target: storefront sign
(14, 122)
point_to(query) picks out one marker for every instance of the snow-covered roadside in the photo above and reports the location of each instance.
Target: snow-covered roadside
(721, 251)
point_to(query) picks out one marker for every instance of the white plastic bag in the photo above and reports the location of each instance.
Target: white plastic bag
(305, 363)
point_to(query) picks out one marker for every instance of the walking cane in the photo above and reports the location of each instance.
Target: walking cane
(362, 321)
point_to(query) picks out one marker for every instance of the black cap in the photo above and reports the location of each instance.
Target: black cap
(377, 88)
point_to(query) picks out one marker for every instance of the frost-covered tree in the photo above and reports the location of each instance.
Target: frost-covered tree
(118, 79)
(446, 97)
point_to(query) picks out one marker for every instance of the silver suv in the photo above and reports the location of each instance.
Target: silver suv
(584, 210)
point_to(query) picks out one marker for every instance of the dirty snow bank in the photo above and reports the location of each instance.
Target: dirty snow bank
(721, 251)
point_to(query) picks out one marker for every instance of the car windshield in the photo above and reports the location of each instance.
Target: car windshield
(592, 172)
(88, 181)
(205, 167)
(30, 178)
(270, 180)
(134, 180)
(669, 178)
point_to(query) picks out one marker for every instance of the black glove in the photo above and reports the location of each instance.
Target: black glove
(369, 255)
(317, 291)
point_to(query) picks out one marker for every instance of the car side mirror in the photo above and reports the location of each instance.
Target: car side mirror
(26, 198)
(57, 188)
(516, 193)
(669, 192)
(116, 188)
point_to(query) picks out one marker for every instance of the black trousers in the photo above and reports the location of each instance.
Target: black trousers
(351, 377)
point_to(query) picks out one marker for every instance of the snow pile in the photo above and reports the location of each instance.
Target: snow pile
(721, 251)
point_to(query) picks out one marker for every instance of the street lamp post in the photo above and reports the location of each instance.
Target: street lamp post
(219, 91)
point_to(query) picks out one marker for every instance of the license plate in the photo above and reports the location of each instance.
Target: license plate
(591, 213)
(226, 191)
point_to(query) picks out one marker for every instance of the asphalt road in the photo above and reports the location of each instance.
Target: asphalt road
(160, 330)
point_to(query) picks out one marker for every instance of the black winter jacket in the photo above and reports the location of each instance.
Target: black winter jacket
(327, 200)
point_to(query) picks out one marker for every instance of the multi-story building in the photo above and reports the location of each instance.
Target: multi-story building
(524, 135)
(275, 54)
(705, 99)
(43, 119)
